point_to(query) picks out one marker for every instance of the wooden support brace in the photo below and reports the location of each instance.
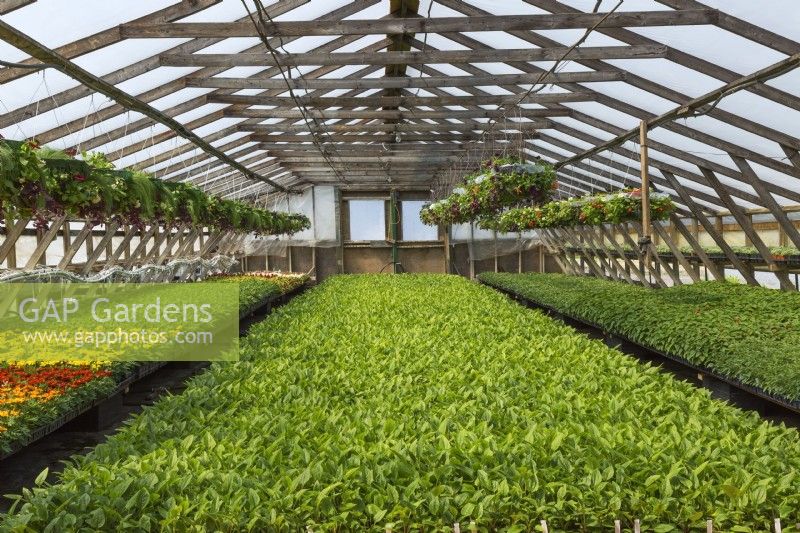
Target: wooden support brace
(124, 246)
(689, 235)
(75, 245)
(632, 267)
(111, 230)
(711, 230)
(676, 251)
(788, 227)
(141, 247)
(746, 225)
(625, 231)
(565, 233)
(44, 242)
(8, 247)
(664, 266)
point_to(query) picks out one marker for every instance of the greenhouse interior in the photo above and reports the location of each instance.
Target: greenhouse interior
(400, 265)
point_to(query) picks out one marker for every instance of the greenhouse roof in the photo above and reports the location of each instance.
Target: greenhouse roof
(244, 99)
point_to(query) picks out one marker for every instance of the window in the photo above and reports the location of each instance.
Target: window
(367, 220)
(413, 229)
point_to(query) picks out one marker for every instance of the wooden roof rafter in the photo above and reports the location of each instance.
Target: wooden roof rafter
(627, 108)
(394, 103)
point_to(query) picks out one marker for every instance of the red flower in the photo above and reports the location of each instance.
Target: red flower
(72, 152)
(34, 144)
(79, 177)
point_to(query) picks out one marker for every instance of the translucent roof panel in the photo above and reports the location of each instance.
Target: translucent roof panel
(222, 84)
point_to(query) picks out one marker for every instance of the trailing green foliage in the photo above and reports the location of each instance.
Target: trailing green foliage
(501, 182)
(422, 400)
(45, 183)
(623, 206)
(749, 333)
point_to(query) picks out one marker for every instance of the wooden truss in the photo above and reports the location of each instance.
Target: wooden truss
(82, 247)
(401, 116)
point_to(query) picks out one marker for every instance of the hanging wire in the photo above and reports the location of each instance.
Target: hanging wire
(539, 84)
(83, 127)
(260, 24)
(57, 105)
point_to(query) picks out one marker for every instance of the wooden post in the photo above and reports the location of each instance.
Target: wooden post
(447, 260)
(495, 252)
(126, 253)
(90, 243)
(471, 249)
(39, 238)
(542, 260)
(643, 163)
(394, 221)
(43, 240)
(645, 179)
(66, 236)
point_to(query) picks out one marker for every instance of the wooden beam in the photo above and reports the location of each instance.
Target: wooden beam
(10, 5)
(402, 127)
(424, 25)
(347, 114)
(689, 158)
(747, 227)
(711, 230)
(664, 267)
(741, 27)
(792, 154)
(374, 157)
(625, 167)
(632, 267)
(407, 101)
(625, 231)
(775, 209)
(107, 37)
(690, 108)
(402, 83)
(372, 138)
(316, 73)
(44, 242)
(141, 67)
(625, 107)
(401, 148)
(19, 40)
(12, 231)
(676, 251)
(710, 265)
(415, 57)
